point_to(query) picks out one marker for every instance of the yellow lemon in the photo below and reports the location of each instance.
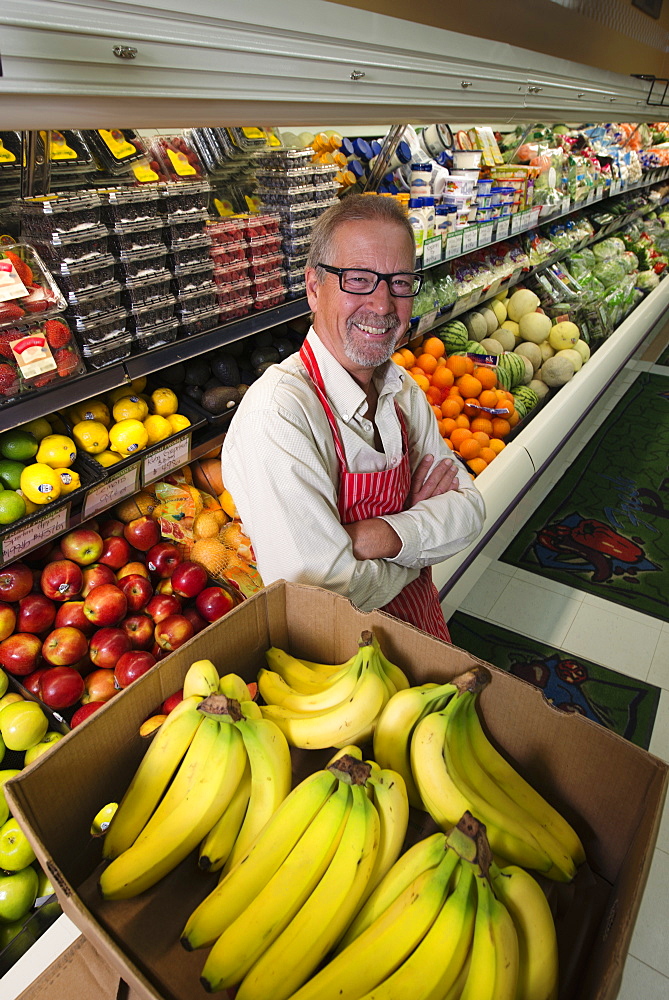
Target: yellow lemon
(119, 393)
(92, 409)
(39, 428)
(69, 480)
(139, 384)
(40, 483)
(164, 402)
(30, 506)
(91, 436)
(107, 458)
(178, 422)
(157, 428)
(127, 437)
(130, 408)
(56, 450)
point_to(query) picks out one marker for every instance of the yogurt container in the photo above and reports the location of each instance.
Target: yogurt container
(466, 159)
(436, 139)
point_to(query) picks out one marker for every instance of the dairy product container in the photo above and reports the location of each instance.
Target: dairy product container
(417, 223)
(436, 139)
(466, 159)
(444, 220)
(401, 156)
(428, 211)
(363, 150)
(484, 185)
(421, 179)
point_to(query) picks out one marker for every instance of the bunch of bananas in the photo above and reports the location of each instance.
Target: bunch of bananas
(433, 737)
(317, 706)
(212, 776)
(282, 908)
(443, 924)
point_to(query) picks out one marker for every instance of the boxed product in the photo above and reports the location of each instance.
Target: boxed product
(609, 789)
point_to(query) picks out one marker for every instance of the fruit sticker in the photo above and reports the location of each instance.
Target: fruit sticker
(11, 286)
(6, 156)
(58, 147)
(33, 355)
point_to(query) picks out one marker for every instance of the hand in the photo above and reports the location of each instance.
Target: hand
(426, 482)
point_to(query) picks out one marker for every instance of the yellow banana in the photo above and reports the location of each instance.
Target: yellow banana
(269, 757)
(325, 669)
(259, 862)
(154, 773)
(391, 670)
(506, 952)
(537, 941)
(305, 678)
(276, 691)
(517, 788)
(439, 958)
(480, 983)
(232, 686)
(201, 678)
(392, 805)
(243, 942)
(312, 933)
(455, 992)
(216, 846)
(142, 865)
(349, 750)
(250, 709)
(395, 725)
(383, 946)
(422, 857)
(447, 797)
(475, 776)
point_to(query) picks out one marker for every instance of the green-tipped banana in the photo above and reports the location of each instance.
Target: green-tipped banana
(143, 864)
(480, 983)
(312, 933)
(392, 805)
(216, 846)
(162, 758)
(391, 670)
(201, 679)
(507, 954)
(243, 942)
(537, 941)
(232, 686)
(259, 862)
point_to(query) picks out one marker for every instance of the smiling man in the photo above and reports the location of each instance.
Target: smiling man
(334, 458)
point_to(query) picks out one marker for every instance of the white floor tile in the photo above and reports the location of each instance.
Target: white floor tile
(659, 667)
(651, 933)
(639, 617)
(536, 580)
(615, 641)
(659, 741)
(535, 612)
(640, 982)
(481, 598)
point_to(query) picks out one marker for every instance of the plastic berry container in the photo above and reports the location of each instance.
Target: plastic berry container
(27, 289)
(62, 213)
(178, 236)
(297, 263)
(68, 152)
(10, 155)
(274, 282)
(151, 313)
(269, 299)
(129, 206)
(71, 247)
(225, 231)
(199, 322)
(196, 276)
(10, 380)
(108, 353)
(297, 288)
(158, 335)
(41, 352)
(237, 271)
(183, 196)
(102, 299)
(234, 290)
(260, 225)
(195, 301)
(139, 291)
(116, 149)
(80, 276)
(229, 310)
(102, 328)
(263, 246)
(136, 236)
(176, 159)
(141, 263)
(265, 265)
(229, 253)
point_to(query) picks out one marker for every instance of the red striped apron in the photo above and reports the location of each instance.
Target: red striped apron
(363, 495)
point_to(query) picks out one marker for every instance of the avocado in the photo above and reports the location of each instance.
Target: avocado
(221, 399)
(284, 346)
(193, 392)
(226, 370)
(211, 383)
(198, 371)
(264, 356)
(174, 375)
(235, 349)
(263, 339)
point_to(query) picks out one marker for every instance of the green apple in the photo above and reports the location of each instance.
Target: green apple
(18, 892)
(32, 753)
(44, 886)
(5, 776)
(10, 698)
(9, 931)
(15, 850)
(22, 725)
(4, 681)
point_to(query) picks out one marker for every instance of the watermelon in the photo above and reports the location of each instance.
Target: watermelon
(525, 399)
(453, 335)
(513, 368)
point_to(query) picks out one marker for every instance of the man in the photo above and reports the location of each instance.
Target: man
(334, 458)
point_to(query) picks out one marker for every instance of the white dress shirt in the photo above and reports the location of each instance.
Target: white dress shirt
(280, 465)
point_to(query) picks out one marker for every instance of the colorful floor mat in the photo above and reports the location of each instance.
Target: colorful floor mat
(663, 358)
(622, 704)
(604, 528)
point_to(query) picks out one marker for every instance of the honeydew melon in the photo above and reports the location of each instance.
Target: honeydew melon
(492, 346)
(573, 355)
(535, 327)
(499, 310)
(557, 371)
(477, 326)
(583, 349)
(521, 302)
(546, 351)
(563, 335)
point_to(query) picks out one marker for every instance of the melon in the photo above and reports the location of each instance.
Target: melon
(535, 326)
(473, 347)
(539, 387)
(563, 335)
(573, 356)
(546, 351)
(207, 475)
(557, 371)
(491, 319)
(505, 338)
(492, 346)
(583, 349)
(510, 369)
(499, 310)
(453, 335)
(477, 326)
(525, 398)
(528, 374)
(532, 352)
(521, 302)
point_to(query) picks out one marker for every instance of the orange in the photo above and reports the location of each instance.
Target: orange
(434, 346)
(457, 364)
(514, 418)
(469, 366)
(472, 408)
(500, 427)
(415, 345)
(470, 448)
(483, 439)
(496, 445)
(469, 386)
(486, 376)
(449, 426)
(440, 425)
(443, 377)
(427, 362)
(462, 421)
(488, 398)
(421, 378)
(434, 395)
(449, 443)
(437, 411)
(487, 454)
(451, 407)
(482, 424)
(409, 357)
(399, 359)
(440, 362)
(477, 465)
(459, 435)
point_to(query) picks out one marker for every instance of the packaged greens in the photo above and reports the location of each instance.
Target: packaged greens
(610, 272)
(426, 300)
(608, 248)
(646, 281)
(445, 290)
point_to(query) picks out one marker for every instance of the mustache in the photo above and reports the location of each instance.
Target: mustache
(385, 324)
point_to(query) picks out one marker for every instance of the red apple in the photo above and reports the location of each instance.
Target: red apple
(162, 558)
(134, 568)
(95, 575)
(72, 613)
(138, 591)
(64, 646)
(39, 556)
(83, 546)
(172, 702)
(132, 665)
(36, 614)
(195, 618)
(115, 552)
(173, 632)
(84, 711)
(61, 580)
(188, 579)
(61, 687)
(106, 605)
(16, 581)
(213, 603)
(20, 653)
(55, 553)
(106, 646)
(162, 605)
(8, 620)
(99, 686)
(142, 533)
(158, 652)
(31, 682)
(165, 587)
(139, 630)
(112, 529)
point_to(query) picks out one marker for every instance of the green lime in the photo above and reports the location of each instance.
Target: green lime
(39, 428)
(10, 473)
(12, 506)
(18, 444)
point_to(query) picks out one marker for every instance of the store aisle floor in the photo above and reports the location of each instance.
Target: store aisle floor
(606, 633)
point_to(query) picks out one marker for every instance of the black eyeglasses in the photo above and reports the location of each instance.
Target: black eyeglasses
(359, 281)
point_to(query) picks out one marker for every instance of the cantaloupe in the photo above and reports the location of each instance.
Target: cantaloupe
(492, 346)
(546, 350)
(491, 319)
(521, 302)
(557, 371)
(574, 356)
(532, 352)
(512, 327)
(539, 387)
(506, 338)
(527, 377)
(535, 327)
(476, 326)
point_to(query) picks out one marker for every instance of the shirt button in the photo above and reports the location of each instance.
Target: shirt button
(344, 416)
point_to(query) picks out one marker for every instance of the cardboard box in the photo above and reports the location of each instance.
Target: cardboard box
(609, 789)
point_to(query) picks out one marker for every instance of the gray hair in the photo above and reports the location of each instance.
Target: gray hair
(352, 208)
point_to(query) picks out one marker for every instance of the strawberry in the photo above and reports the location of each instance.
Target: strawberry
(23, 270)
(66, 362)
(42, 380)
(10, 311)
(57, 333)
(8, 378)
(36, 302)
(6, 337)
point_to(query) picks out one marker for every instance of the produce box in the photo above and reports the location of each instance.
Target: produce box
(609, 789)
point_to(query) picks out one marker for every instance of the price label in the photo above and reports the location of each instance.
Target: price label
(503, 228)
(590, 197)
(615, 187)
(426, 321)
(454, 245)
(166, 459)
(566, 203)
(432, 251)
(35, 534)
(470, 239)
(115, 488)
(516, 223)
(486, 233)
